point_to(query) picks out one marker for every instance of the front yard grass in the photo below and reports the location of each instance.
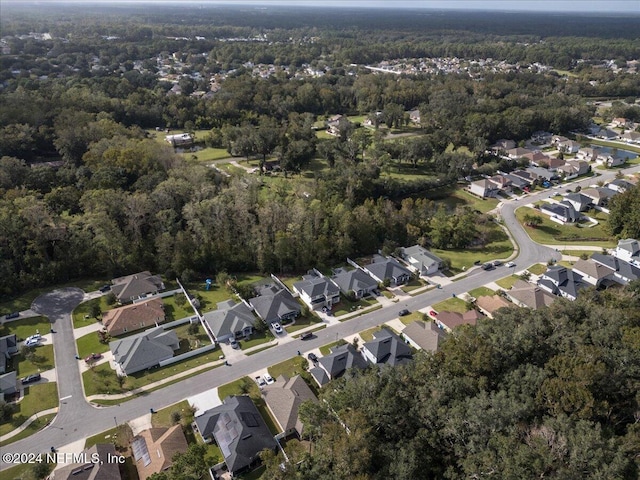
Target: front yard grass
(481, 292)
(36, 399)
(508, 282)
(90, 343)
(35, 426)
(367, 335)
(82, 313)
(414, 284)
(163, 418)
(207, 154)
(551, 233)
(297, 365)
(25, 327)
(303, 322)
(347, 306)
(326, 349)
(538, 268)
(41, 361)
(257, 338)
(451, 305)
(412, 317)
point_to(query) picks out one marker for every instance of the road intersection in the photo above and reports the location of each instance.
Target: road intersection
(78, 419)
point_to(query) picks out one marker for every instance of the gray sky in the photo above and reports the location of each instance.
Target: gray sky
(541, 6)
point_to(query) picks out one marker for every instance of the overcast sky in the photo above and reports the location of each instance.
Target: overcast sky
(609, 6)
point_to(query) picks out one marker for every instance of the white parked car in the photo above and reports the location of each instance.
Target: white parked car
(31, 342)
(277, 328)
(268, 378)
(509, 264)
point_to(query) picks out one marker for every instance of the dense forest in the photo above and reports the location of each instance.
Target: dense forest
(86, 190)
(530, 394)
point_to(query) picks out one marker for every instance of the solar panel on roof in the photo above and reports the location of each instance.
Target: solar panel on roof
(249, 419)
(140, 451)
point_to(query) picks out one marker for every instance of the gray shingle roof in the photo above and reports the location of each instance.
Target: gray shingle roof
(354, 280)
(419, 257)
(144, 350)
(272, 307)
(136, 285)
(382, 268)
(388, 349)
(564, 279)
(315, 286)
(426, 335)
(285, 397)
(340, 359)
(92, 471)
(229, 318)
(239, 431)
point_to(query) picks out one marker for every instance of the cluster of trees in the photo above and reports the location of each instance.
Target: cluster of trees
(551, 393)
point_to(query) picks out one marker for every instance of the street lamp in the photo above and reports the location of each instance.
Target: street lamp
(115, 420)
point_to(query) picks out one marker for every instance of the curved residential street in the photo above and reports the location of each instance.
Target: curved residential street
(77, 419)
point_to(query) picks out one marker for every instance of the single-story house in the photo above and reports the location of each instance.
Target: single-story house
(599, 195)
(541, 174)
(607, 134)
(563, 281)
(8, 347)
(563, 212)
(386, 348)
(144, 350)
(136, 286)
(283, 399)
(619, 185)
(502, 182)
(179, 140)
(579, 201)
(483, 188)
(153, 449)
(136, 316)
(536, 158)
(421, 260)
(239, 431)
(524, 294)
(317, 291)
(357, 281)
(275, 304)
(568, 146)
(503, 145)
(628, 250)
(230, 320)
(8, 384)
(592, 272)
(450, 320)
(335, 364)
(103, 470)
(423, 335)
(489, 304)
(383, 268)
(517, 152)
(553, 164)
(630, 137)
(517, 181)
(414, 116)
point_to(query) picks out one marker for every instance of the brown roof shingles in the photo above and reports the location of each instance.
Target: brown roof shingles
(134, 317)
(163, 444)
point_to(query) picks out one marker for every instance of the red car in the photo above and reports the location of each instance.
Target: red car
(93, 357)
(433, 314)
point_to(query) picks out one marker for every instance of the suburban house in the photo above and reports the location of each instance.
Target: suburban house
(630, 137)
(383, 268)
(563, 281)
(610, 160)
(568, 146)
(450, 320)
(628, 250)
(179, 140)
(517, 181)
(386, 348)
(8, 384)
(563, 212)
(421, 260)
(423, 335)
(275, 304)
(239, 431)
(490, 304)
(144, 350)
(153, 449)
(624, 272)
(541, 137)
(592, 272)
(357, 281)
(557, 139)
(588, 154)
(90, 470)
(317, 291)
(503, 145)
(283, 398)
(230, 320)
(335, 364)
(573, 169)
(136, 286)
(517, 152)
(619, 185)
(134, 317)
(579, 201)
(599, 195)
(414, 116)
(541, 174)
(502, 182)
(483, 188)
(619, 122)
(336, 123)
(8, 347)
(524, 294)
(524, 175)
(536, 158)
(552, 164)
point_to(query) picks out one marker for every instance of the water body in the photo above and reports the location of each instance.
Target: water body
(618, 152)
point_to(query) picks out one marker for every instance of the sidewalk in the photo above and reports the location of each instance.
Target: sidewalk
(29, 421)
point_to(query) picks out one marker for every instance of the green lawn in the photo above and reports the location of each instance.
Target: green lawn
(209, 299)
(412, 317)
(162, 418)
(197, 340)
(451, 305)
(463, 198)
(481, 292)
(413, 285)
(303, 322)
(326, 349)
(25, 327)
(538, 268)
(36, 399)
(41, 361)
(463, 259)
(292, 367)
(35, 426)
(122, 431)
(207, 154)
(23, 471)
(508, 282)
(101, 379)
(552, 233)
(257, 338)
(367, 335)
(90, 343)
(628, 147)
(347, 306)
(173, 311)
(81, 316)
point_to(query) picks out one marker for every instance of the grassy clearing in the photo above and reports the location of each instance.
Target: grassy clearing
(207, 154)
(41, 361)
(208, 299)
(326, 349)
(81, 314)
(578, 253)
(537, 269)
(257, 338)
(174, 311)
(461, 197)
(35, 426)
(25, 327)
(463, 259)
(36, 399)
(481, 292)
(451, 305)
(90, 343)
(122, 431)
(303, 322)
(630, 148)
(101, 379)
(347, 306)
(552, 233)
(508, 282)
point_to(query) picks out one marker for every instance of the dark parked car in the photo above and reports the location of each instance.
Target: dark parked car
(477, 262)
(105, 288)
(487, 266)
(11, 315)
(404, 312)
(306, 336)
(234, 344)
(31, 378)
(313, 357)
(93, 357)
